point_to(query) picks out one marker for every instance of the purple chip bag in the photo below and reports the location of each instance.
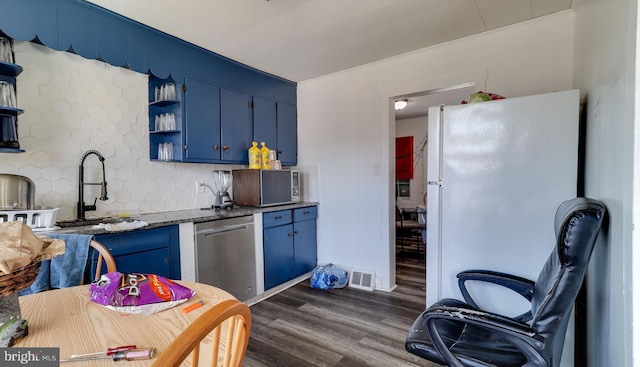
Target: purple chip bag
(129, 292)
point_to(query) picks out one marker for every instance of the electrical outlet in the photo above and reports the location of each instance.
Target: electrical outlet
(199, 186)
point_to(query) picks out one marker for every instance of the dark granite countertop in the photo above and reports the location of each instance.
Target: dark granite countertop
(186, 216)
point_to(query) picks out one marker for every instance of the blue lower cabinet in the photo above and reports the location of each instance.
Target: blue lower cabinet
(150, 251)
(305, 247)
(278, 255)
(290, 244)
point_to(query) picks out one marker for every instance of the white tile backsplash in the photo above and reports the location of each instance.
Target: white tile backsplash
(72, 105)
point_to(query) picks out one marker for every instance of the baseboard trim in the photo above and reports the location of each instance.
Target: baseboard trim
(275, 290)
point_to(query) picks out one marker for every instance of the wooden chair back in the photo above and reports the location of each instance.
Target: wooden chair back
(103, 255)
(229, 324)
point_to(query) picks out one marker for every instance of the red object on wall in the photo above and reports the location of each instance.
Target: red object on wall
(404, 158)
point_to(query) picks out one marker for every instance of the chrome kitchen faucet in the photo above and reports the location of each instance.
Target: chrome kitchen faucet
(82, 208)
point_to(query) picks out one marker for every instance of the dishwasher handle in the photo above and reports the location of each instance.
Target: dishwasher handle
(211, 232)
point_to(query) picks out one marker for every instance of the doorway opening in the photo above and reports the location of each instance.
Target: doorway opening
(411, 124)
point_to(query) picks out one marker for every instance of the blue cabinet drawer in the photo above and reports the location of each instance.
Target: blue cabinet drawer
(122, 243)
(273, 219)
(307, 213)
(153, 251)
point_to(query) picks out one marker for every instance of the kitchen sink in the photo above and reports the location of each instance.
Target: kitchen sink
(86, 222)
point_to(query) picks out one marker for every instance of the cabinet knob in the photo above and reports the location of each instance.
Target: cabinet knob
(226, 148)
(215, 147)
(289, 234)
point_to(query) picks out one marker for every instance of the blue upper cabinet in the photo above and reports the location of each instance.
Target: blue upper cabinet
(196, 63)
(264, 122)
(221, 117)
(29, 20)
(234, 75)
(202, 121)
(113, 40)
(235, 126)
(287, 134)
(96, 33)
(163, 58)
(135, 50)
(77, 29)
(272, 88)
(217, 123)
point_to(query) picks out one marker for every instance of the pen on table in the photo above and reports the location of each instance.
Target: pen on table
(108, 352)
(122, 355)
(193, 306)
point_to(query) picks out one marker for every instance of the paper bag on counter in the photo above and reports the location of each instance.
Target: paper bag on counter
(19, 246)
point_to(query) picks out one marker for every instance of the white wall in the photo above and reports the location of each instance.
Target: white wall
(416, 127)
(606, 72)
(72, 105)
(346, 126)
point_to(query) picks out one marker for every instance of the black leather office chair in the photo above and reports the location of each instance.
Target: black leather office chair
(455, 333)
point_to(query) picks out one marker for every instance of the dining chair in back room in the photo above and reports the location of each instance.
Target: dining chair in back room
(230, 319)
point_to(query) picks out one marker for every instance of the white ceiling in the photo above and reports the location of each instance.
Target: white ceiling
(418, 104)
(303, 39)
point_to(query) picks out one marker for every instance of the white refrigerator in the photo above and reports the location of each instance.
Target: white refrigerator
(496, 173)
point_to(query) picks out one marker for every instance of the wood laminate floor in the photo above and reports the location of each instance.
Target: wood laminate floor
(347, 327)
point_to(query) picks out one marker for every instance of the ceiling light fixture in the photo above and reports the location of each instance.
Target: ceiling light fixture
(401, 103)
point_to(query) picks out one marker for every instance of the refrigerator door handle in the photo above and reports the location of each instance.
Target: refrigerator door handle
(438, 183)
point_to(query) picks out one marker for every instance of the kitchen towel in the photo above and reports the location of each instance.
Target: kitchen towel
(121, 226)
(66, 270)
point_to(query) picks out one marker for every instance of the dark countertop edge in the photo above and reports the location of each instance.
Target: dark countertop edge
(162, 219)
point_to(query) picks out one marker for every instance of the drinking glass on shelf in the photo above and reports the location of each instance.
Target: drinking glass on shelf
(7, 94)
(161, 152)
(165, 151)
(171, 123)
(168, 92)
(162, 93)
(161, 122)
(169, 148)
(6, 54)
(157, 93)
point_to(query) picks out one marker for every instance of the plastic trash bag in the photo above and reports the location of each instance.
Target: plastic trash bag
(328, 276)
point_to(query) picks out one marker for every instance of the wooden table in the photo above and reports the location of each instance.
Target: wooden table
(67, 319)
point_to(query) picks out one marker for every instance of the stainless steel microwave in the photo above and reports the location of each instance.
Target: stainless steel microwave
(257, 187)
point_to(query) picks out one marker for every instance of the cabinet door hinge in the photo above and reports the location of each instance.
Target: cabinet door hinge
(185, 147)
(184, 87)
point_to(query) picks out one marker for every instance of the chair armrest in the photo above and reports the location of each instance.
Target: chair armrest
(522, 286)
(520, 334)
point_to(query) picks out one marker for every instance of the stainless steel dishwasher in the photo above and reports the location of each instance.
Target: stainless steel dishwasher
(225, 255)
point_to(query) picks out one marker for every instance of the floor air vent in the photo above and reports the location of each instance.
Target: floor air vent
(362, 279)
